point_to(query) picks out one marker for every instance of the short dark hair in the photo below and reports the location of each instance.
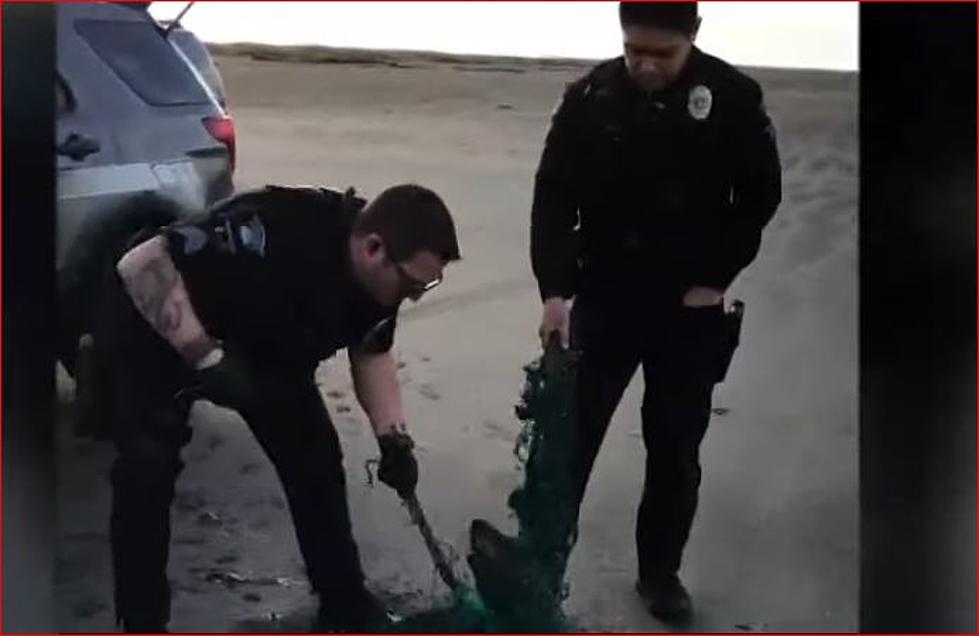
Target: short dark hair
(675, 16)
(409, 219)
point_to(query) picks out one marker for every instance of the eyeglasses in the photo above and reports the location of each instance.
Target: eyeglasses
(415, 286)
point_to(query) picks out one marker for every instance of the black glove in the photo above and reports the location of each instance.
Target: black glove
(229, 383)
(398, 467)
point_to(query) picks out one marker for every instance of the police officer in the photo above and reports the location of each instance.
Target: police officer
(238, 308)
(658, 174)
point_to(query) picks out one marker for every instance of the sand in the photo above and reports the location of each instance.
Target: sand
(774, 547)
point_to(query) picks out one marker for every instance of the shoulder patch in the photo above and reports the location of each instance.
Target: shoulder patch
(251, 235)
(193, 238)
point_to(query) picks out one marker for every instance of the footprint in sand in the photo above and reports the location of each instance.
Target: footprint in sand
(89, 608)
(190, 539)
(351, 426)
(198, 456)
(503, 481)
(494, 430)
(430, 392)
(277, 502)
(189, 500)
(249, 468)
(805, 197)
(751, 627)
(227, 559)
(259, 524)
(214, 442)
(820, 164)
(790, 162)
(273, 501)
(209, 519)
(275, 623)
(180, 587)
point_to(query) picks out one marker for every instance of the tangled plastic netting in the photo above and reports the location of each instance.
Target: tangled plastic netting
(518, 581)
(544, 505)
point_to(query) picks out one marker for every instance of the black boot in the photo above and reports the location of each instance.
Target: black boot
(665, 597)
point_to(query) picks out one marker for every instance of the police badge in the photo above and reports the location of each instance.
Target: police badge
(699, 102)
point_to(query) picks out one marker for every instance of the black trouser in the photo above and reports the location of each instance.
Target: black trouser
(678, 349)
(141, 376)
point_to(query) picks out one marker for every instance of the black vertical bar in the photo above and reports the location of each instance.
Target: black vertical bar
(28, 290)
(918, 317)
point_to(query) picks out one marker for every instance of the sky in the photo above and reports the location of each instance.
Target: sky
(781, 34)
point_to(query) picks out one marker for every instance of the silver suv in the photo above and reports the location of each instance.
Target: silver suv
(141, 138)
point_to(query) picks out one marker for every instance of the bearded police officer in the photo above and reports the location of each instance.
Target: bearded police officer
(238, 308)
(658, 174)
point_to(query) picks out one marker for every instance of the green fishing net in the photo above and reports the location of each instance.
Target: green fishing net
(519, 580)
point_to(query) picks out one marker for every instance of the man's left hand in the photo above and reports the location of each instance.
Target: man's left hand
(398, 467)
(703, 297)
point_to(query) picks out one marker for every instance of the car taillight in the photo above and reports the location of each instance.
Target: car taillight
(223, 129)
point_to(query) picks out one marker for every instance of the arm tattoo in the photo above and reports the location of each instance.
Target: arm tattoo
(158, 293)
(152, 290)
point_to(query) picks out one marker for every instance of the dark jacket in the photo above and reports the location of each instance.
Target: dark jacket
(654, 193)
(268, 272)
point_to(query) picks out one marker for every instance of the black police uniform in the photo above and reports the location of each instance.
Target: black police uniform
(638, 198)
(268, 273)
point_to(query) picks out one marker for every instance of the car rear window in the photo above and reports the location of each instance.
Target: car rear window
(144, 60)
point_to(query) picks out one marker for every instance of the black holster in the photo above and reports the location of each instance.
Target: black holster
(731, 338)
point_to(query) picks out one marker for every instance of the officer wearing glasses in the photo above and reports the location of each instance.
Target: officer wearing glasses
(238, 308)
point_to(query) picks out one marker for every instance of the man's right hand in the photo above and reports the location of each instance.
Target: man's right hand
(228, 383)
(398, 467)
(556, 317)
